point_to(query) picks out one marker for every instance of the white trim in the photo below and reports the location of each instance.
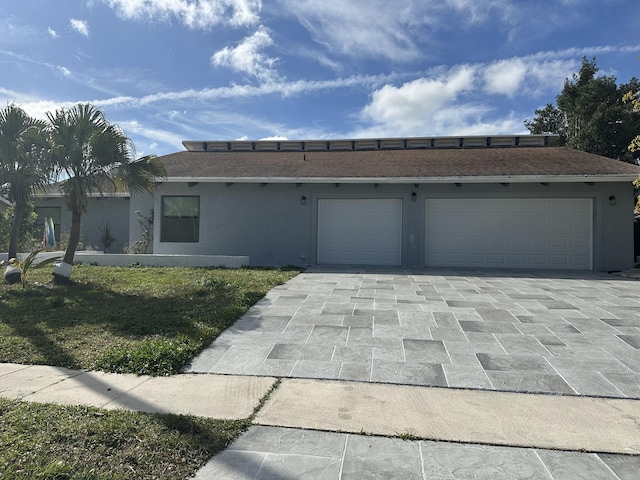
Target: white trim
(409, 180)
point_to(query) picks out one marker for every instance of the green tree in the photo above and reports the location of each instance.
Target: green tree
(24, 166)
(94, 156)
(590, 114)
(633, 98)
(549, 119)
(26, 235)
(24, 163)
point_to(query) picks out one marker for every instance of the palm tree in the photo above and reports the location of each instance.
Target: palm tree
(24, 167)
(93, 156)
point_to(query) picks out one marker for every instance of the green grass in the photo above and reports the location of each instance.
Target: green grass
(42, 441)
(135, 320)
(138, 320)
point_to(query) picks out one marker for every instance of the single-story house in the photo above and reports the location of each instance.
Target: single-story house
(492, 201)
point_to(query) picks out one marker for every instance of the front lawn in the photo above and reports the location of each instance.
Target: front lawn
(139, 320)
(83, 443)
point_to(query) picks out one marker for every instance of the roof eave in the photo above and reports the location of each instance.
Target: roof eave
(409, 180)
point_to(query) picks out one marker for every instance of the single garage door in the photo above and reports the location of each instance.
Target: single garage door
(509, 233)
(360, 231)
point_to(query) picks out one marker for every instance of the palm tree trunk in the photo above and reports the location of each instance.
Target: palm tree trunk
(19, 211)
(62, 273)
(74, 237)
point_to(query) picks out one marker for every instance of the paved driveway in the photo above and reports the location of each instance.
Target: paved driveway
(527, 331)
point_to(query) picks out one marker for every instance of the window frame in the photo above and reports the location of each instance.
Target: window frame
(194, 222)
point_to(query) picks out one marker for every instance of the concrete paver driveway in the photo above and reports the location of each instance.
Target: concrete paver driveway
(571, 333)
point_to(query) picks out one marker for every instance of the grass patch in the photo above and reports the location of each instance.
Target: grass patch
(141, 320)
(62, 442)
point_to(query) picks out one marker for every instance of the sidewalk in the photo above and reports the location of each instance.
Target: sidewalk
(479, 423)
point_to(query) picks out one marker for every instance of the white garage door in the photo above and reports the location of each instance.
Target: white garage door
(509, 233)
(360, 231)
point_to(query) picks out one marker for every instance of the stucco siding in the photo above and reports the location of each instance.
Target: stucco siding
(272, 226)
(100, 210)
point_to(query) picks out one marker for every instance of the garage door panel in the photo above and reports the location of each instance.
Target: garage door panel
(531, 232)
(360, 231)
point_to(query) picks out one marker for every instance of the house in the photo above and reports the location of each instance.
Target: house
(491, 201)
(501, 201)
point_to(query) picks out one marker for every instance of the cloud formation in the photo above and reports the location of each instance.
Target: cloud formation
(80, 26)
(195, 14)
(247, 56)
(459, 100)
(364, 27)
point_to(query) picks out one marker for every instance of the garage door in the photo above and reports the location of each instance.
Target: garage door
(509, 233)
(360, 231)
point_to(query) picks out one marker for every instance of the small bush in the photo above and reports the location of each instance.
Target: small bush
(154, 356)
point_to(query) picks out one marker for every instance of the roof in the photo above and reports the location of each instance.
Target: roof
(464, 160)
(109, 190)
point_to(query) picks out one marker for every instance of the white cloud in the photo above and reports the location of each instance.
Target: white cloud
(274, 138)
(195, 14)
(505, 77)
(52, 33)
(478, 11)
(80, 26)
(461, 100)
(406, 30)
(420, 104)
(134, 127)
(64, 71)
(246, 56)
(370, 28)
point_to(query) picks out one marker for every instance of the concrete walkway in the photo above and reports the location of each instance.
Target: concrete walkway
(478, 433)
(483, 375)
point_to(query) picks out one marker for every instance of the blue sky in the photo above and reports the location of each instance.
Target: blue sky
(173, 70)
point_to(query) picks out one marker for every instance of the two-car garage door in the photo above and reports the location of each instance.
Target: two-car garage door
(469, 232)
(509, 233)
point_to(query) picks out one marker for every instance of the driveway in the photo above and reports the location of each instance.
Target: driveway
(572, 333)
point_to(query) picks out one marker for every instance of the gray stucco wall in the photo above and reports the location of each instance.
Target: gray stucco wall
(271, 225)
(114, 210)
(142, 203)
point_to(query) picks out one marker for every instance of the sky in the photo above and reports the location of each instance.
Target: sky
(172, 70)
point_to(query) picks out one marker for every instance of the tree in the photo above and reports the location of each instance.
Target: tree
(27, 234)
(93, 156)
(633, 98)
(590, 114)
(24, 166)
(549, 119)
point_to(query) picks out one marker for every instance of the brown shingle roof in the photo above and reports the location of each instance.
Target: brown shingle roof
(464, 164)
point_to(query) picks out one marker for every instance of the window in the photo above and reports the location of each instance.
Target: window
(55, 214)
(180, 219)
